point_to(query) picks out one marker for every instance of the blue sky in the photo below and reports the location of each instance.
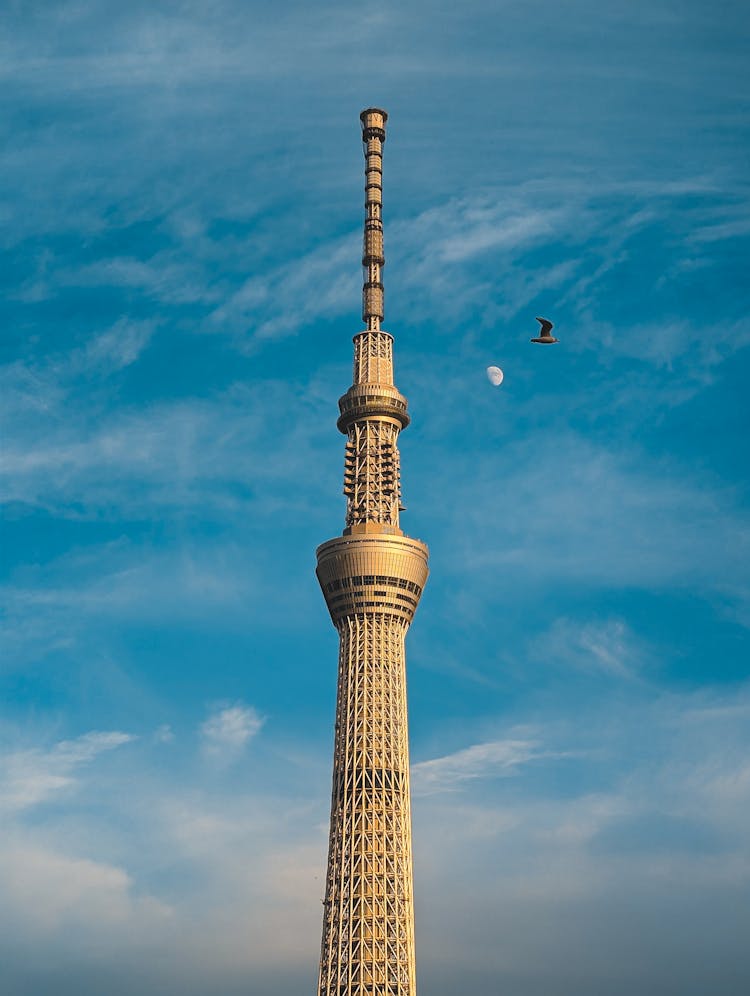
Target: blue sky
(181, 218)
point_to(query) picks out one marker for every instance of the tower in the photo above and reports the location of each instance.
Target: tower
(372, 578)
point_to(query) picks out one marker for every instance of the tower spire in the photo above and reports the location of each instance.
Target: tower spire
(372, 579)
(373, 260)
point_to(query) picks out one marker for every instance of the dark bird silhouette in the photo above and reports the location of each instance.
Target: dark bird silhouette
(544, 334)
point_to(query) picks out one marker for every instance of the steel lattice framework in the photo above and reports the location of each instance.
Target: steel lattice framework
(372, 578)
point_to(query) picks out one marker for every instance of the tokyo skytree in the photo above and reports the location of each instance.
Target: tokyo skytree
(372, 579)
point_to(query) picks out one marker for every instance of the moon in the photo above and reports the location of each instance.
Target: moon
(495, 376)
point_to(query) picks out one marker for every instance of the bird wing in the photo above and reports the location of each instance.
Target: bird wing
(547, 326)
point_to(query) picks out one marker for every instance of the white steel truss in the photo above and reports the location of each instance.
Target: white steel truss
(372, 473)
(368, 927)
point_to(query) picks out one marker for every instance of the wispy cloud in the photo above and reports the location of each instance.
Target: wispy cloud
(479, 227)
(691, 351)
(218, 451)
(495, 758)
(322, 284)
(611, 516)
(41, 387)
(116, 348)
(164, 734)
(30, 777)
(109, 587)
(606, 648)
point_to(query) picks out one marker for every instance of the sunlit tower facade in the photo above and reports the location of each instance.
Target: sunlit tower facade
(372, 579)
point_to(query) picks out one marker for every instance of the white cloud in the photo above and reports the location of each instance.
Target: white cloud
(49, 890)
(564, 508)
(29, 777)
(164, 734)
(480, 227)
(118, 347)
(322, 283)
(677, 345)
(43, 386)
(492, 759)
(600, 647)
(228, 730)
(222, 452)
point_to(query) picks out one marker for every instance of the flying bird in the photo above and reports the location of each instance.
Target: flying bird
(544, 334)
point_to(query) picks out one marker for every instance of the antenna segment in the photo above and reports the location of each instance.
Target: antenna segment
(373, 259)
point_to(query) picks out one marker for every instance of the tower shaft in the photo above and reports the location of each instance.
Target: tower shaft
(372, 579)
